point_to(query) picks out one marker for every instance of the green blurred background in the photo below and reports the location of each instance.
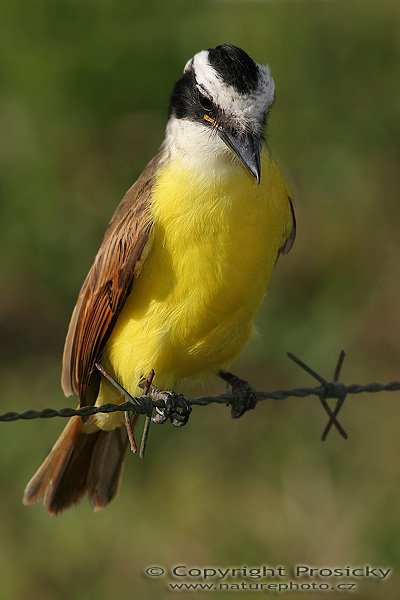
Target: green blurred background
(83, 102)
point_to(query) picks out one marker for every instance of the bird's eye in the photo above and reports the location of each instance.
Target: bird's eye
(205, 103)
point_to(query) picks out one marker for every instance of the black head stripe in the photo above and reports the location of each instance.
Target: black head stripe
(235, 67)
(187, 101)
(182, 102)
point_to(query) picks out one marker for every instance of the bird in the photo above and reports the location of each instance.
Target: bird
(181, 272)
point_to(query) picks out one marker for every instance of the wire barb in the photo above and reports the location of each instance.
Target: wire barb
(328, 390)
(342, 392)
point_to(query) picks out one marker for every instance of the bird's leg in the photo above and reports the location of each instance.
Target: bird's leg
(243, 395)
(176, 408)
(146, 384)
(128, 419)
(130, 422)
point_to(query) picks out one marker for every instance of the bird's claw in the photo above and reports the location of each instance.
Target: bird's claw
(244, 397)
(177, 409)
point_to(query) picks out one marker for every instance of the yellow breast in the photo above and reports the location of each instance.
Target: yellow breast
(214, 246)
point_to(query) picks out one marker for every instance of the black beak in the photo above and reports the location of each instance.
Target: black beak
(247, 147)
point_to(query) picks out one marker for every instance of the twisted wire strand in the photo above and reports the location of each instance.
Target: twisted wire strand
(143, 404)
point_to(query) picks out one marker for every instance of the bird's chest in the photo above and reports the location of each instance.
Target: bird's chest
(215, 245)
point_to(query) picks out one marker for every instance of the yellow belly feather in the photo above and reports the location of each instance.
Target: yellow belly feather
(214, 246)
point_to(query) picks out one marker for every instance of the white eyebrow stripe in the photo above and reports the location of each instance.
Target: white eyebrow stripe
(203, 90)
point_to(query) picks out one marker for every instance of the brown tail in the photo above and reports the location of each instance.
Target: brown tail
(79, 463)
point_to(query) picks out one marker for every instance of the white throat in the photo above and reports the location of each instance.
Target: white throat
(199, 148)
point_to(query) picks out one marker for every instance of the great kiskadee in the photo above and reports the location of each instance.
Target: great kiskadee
(182, 269)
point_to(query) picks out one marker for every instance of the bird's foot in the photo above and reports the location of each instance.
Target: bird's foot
(176, 408)
(243, 395)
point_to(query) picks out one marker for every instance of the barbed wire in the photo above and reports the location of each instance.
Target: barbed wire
(156, 399)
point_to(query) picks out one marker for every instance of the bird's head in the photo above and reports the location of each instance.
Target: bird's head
(225, 92)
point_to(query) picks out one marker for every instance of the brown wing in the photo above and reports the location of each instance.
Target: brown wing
(106, 288)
